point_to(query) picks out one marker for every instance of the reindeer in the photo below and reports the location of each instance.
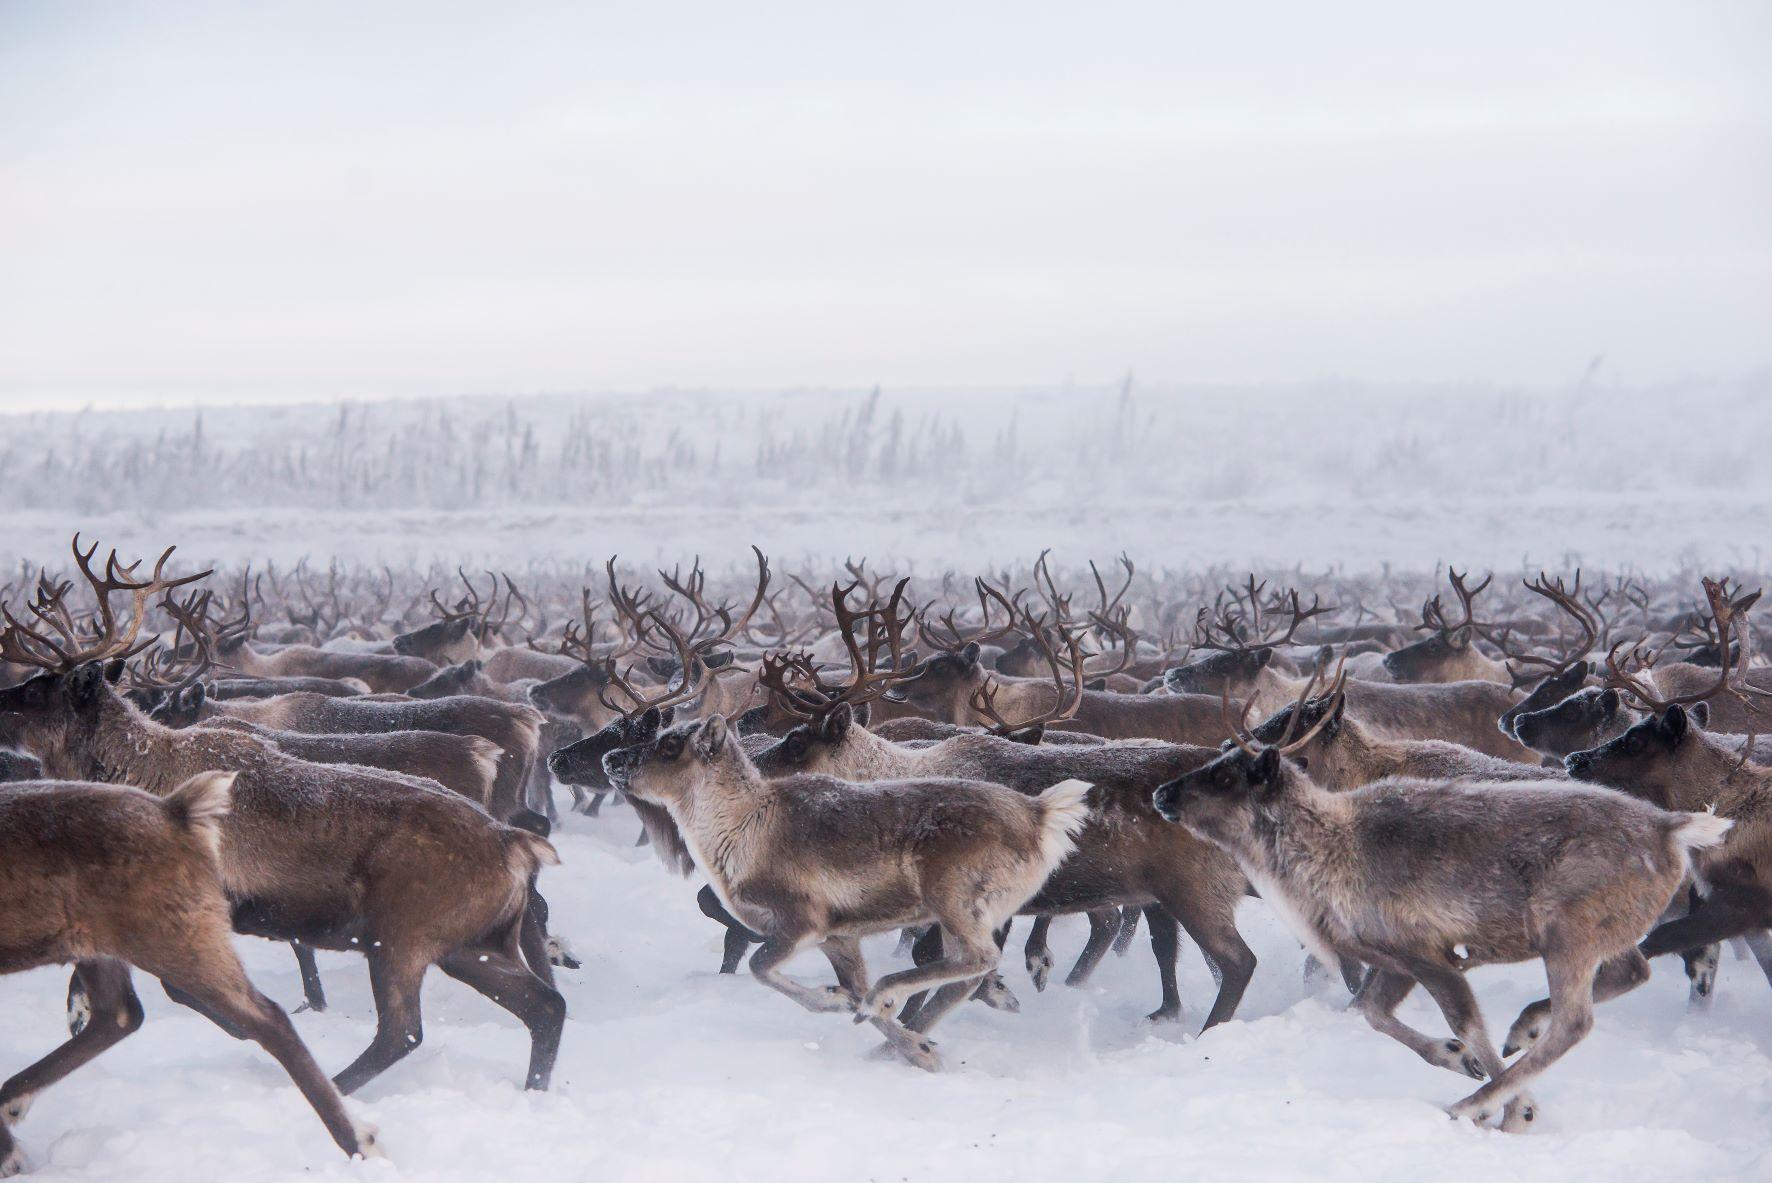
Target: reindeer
(1342, 753)
(334, 856)
(813, 859)
(1126, 857)
(1451, 653)
(111, 877)
(1422, 879)
(1243, 668)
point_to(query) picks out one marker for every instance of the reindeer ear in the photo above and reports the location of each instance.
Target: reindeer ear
(969, 656)
(475, 666)
(661, 667)
(114, 671)
(1673, 723)
(1266, 769)
(835, 725)
(1095, 684)
(1608, 703)
(649, 723)
(1699, 715)
(863, 713)
(720, 660)
(1028, 735)
(710, 741)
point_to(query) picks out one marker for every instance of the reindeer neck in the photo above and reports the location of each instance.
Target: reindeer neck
(726, 821)
(129, 748)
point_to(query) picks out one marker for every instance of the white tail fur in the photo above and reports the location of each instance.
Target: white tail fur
(1701, 831)
(486, 756)
(200, 803)
(1064, 809)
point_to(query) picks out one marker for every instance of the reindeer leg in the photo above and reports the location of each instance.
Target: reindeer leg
(1759, 943)
(215, 979)
(1128, 929)
(1104, 926)
(533, 938)
(1701, 964)
(1617, 975)
(313, 993)
(1378, 999)
(116, 1014)
(395, 975)
(1212, 924)
(969, 950)
(1037, 954)
(1452, 993)
(780, 946)
(992, 990)
(500, 975)
(1726, 912)
(738, 937)
(1572, 974)
(1166, 946)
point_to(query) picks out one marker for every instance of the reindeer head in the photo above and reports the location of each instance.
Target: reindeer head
(1450, 653)
(1549, 692)
(1584, 719)
(1227, 800)
(672, 766)
(814, 746)
(1663, 759)
(442, 642)
(56, 718)
(57, 715)
(1233, 672)
(581, 763)
(462, 678)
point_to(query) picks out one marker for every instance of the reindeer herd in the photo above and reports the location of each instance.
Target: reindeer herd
(368, 761)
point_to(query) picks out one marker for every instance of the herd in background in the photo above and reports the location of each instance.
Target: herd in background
(367, 760)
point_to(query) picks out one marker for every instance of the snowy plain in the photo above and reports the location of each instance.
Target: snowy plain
(669, 1071)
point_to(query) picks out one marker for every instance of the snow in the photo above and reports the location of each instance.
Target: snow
(669, 1071)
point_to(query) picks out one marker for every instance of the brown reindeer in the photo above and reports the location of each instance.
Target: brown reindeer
(335, 856)
(108, 878)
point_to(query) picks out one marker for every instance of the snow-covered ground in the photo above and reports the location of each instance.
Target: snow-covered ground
(670, 1072)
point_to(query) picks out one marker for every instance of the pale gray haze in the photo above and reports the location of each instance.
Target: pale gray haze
(209, 202)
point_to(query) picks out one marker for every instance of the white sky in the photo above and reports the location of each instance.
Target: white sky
(346, 199)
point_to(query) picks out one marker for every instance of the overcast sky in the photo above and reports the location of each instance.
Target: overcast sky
(346, 199)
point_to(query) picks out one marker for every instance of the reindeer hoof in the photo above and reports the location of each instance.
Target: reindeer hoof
(368, 1141)
(309, 1005)
(1472, 1110)
(1040, 969)
(1526, 1029)
(918, 1051)
(14, 1110)
(876, 1007)
(1520, 1114)
(996, 995)
(1164, 1014)
(1452, 1053)
(79, 1008)
(560, 953)
(13, 1163)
